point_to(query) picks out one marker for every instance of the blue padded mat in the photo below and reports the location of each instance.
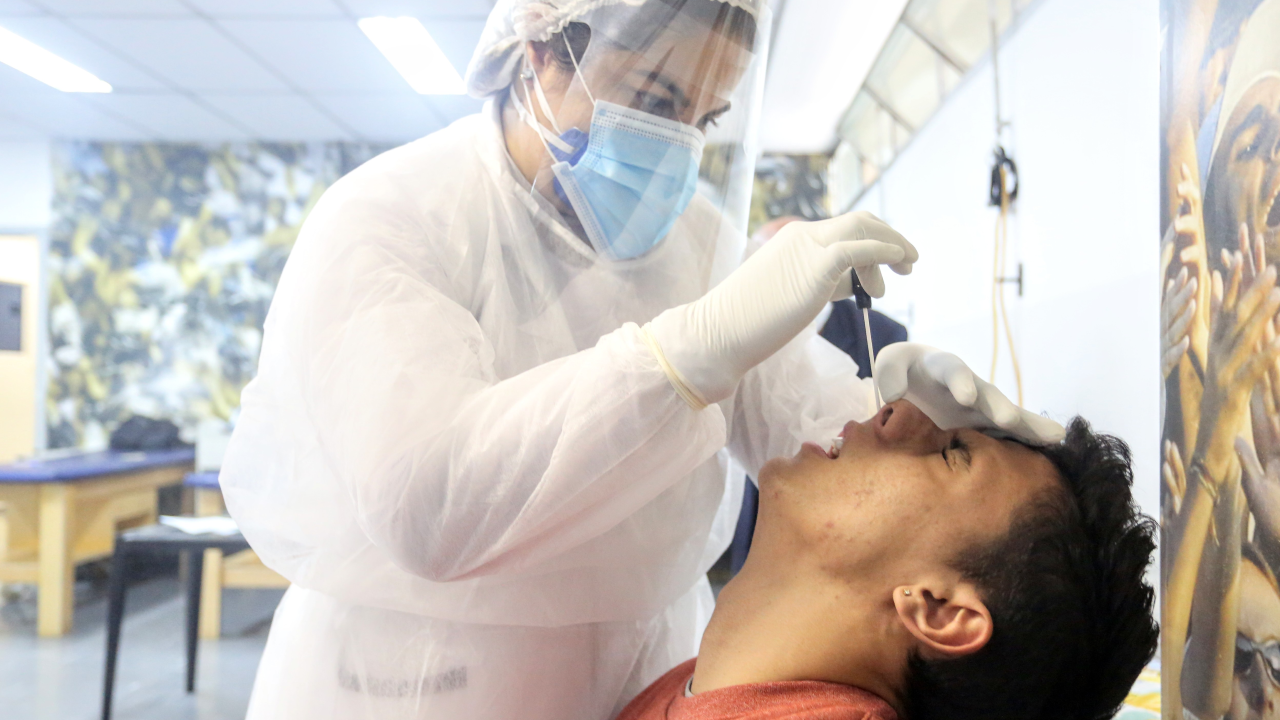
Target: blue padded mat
(81, 466)
(205, 480)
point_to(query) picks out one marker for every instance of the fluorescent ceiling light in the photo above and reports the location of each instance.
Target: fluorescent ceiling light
(414, 54)
(25, 56)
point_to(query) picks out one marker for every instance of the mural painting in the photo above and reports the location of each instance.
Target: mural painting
(163, 260)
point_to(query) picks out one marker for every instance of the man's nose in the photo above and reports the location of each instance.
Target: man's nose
(901, 422)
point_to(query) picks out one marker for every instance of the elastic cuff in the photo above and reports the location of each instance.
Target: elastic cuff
(682, 388)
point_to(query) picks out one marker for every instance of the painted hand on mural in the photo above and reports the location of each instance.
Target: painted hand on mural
(1174, 473)
(1242, 307)
(1192, 252)
(1209, 505)
(1189, 222)
(1261, 484)
(1177, 311)
(1264, 405)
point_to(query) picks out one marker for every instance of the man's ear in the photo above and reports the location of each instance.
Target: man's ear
(949, 619)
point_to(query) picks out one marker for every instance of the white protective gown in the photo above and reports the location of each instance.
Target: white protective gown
(490, 501)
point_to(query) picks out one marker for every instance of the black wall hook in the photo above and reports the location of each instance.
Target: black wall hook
(998, 181)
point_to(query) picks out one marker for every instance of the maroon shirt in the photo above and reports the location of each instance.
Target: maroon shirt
(665, 700)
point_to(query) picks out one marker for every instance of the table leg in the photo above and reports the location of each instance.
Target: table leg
(4, 541)
(211, 596)
(195, 574)
(115, 617)
(56, 569)
(209, 502)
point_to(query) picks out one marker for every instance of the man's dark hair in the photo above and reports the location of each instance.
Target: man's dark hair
(1072, 613)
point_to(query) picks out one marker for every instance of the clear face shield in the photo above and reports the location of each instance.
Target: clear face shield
(647, 115)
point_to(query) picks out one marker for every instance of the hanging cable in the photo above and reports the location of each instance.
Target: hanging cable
(1005, 184)
(1002, 245)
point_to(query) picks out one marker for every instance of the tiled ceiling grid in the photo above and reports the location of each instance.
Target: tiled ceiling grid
(231, 70)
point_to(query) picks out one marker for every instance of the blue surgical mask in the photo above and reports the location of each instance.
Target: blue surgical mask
(637, 176)
(628, 180)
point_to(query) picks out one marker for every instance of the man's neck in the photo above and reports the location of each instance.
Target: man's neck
(770, 628)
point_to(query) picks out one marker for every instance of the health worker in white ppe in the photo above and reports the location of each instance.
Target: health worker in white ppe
(509, 366)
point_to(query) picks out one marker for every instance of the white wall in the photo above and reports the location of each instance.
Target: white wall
(1080, 84)
(26, 185)
(26, 195)
(19, 396)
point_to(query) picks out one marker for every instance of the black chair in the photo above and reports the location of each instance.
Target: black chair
(159, 538)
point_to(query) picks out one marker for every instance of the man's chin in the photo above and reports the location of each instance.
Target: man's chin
(770, 470)
(779, 471)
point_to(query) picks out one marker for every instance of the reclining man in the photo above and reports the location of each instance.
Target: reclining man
(925, 573)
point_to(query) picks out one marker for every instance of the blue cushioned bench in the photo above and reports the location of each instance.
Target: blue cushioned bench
(65, 509)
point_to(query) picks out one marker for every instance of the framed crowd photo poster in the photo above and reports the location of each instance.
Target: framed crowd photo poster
(1220, 249)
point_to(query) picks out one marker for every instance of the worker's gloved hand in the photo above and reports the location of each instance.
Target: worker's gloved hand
(709, 344)
(946, 390)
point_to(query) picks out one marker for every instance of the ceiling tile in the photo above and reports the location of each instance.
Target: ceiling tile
(320, 55)
(279, 117)
(272, 8)
(18, 7)
(390, 118)
(172, 117)
(64, 115)
(420, 8)
(57, 36)
(457, 38)
(152, 8)
(189, 53)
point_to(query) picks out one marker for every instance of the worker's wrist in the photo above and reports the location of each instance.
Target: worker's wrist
(683, 388)
(694, 358)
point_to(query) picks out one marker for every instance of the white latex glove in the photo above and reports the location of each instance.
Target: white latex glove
(947, 391)
(706, 346)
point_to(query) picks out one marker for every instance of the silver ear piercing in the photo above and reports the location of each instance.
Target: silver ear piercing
(906, 592)
(526, 74)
